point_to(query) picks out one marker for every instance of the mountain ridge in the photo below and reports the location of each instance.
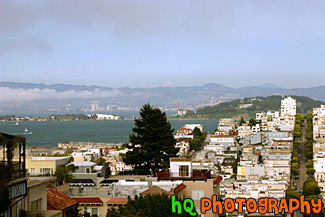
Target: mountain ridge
(77, 97)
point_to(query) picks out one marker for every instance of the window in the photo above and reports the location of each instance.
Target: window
(197, 194)
(94, 212)
(184, 170)
(36, 205)
(45, 170)
(81, 190)
(87, 170)
(32, 170)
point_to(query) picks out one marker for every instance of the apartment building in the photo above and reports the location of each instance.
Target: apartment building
(45, 165)
(288, 106)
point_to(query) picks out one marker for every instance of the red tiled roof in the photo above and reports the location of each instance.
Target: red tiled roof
(182, 129)
(118, 200)
(59, 200)
(218, 180)
(179, 188)
(222, 136)
(88, 200)
(154, 190)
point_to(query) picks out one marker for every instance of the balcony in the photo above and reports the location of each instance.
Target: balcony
(195, 175)
(12, 163)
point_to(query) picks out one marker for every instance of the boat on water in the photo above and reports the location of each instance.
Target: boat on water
(27, 132)
(16, 123)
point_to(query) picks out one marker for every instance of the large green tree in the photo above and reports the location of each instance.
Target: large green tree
(152, 141)
(64, 174)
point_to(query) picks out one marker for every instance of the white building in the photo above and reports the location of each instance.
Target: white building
(319, 111)
(226, 124)
(192, 126)
(319, 166)
(288, 106)
(107, 117)
(244, 131)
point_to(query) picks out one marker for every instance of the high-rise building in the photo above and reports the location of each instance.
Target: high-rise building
(94, 106)
(288, 106)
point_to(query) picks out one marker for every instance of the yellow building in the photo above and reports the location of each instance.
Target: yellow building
(45, 165)
(241, 171)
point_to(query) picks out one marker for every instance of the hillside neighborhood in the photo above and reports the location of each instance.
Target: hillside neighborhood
(277, 154)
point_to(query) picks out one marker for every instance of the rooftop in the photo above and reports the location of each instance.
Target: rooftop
(196, 175)
(154, 190)
(50, 158)
(59, 200)
(179, 188)
(114, 201)
(82, 163)
(88, 200)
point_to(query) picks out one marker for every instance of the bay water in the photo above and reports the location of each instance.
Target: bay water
(50, 133)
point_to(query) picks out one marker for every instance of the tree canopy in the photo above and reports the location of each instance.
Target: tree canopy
(64, 174)
(152, 142)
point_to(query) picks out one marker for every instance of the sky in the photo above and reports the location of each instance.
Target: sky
(139, 43)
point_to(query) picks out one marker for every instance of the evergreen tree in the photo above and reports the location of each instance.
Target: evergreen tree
(242, 121)
(152, 142)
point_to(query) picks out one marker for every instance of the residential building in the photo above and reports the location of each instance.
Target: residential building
(226, 125)
(17, 177)
(288, 106)
(45, 165)
(95, 206)
(319, 166)
(193, 126)
(57, 200)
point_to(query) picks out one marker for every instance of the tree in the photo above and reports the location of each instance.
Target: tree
(309, 154)
(311, 187)
(294, 171)
(310, 171)
(152, 142)
(63, 174)
(242, 121)
(197, 132)
(291, 193)
(297, 134)
(309, 136)
(295, 159)
(100, 161)
(198, 139)
(195, 143)
(309, 117)
(309, 165)
(252, 122)
(299, 117)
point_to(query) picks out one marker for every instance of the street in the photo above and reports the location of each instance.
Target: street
(302, 167)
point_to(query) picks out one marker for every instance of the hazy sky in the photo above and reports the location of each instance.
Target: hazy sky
(163, 43)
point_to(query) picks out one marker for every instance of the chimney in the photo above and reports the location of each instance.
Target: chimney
(149, 182)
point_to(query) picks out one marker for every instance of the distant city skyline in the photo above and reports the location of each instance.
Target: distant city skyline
(163, 43)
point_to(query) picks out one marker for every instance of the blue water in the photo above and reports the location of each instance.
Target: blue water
(50, 133)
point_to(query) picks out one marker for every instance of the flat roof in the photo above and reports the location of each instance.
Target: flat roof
(180, 159)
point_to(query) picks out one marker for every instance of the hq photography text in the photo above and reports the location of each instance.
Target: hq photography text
(262, 205)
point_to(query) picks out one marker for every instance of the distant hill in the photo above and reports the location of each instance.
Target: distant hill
(269, 85)
(66, 97)
(248, 107)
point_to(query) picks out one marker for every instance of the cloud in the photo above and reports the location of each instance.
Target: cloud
(9, 95)
(168, 84)
(238, 19)
(25, 44)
